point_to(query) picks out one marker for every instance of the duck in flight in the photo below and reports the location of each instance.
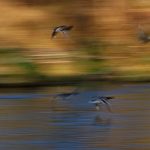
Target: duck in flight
(62, 29)
(98, 100)
(144, 37)
(66, 95)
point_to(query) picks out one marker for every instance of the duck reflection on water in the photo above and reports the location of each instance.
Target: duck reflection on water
(102, 120)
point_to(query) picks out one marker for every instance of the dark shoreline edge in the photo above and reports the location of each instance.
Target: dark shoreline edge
(73, 80)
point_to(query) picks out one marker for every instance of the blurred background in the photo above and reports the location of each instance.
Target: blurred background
(104, 44)
(104, 41)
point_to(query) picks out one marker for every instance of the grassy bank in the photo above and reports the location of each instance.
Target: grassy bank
(19, 67)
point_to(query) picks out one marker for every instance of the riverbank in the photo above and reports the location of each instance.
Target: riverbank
(74, 80)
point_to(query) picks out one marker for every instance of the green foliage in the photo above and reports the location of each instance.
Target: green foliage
(91, 47)
(15, 57)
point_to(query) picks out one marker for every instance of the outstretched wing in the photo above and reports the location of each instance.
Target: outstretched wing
(107, 104)
(68, 28)
(53, 34)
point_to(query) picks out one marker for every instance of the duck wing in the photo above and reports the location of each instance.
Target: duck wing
(107, 104)
(53, 34)
(68, 27)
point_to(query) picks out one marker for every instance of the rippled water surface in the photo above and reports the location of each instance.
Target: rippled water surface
(35, 119)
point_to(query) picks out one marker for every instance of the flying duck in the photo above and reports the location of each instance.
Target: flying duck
(63, 29)
(65, 96)
(144, 37)
(101, 100)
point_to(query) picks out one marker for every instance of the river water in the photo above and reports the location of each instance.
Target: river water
(35, 119)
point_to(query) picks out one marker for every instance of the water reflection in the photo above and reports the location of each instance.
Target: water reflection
(36, 120)
(99, 120)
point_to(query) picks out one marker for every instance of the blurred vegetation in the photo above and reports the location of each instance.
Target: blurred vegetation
(103, 42)
(15, 67)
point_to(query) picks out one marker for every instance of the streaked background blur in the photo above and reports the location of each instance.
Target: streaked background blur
(103, 43)
(104, 40)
